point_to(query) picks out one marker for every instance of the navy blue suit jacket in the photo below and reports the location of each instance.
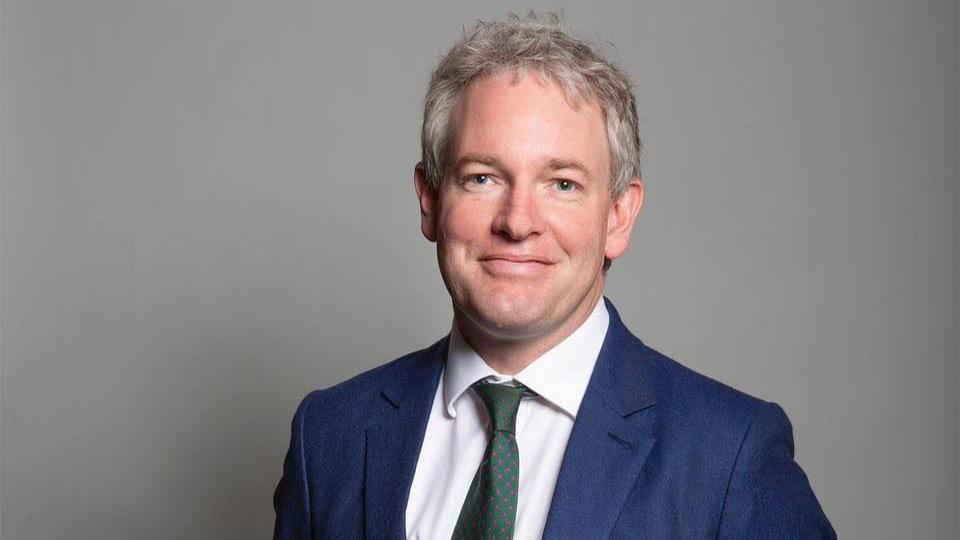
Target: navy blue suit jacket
(657, 451)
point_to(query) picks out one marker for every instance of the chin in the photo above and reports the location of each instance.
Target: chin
(507, 316)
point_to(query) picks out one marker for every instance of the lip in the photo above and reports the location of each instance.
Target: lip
(520, 259)
(514, 264)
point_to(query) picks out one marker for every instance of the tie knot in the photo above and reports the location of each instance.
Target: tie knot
(502, 402)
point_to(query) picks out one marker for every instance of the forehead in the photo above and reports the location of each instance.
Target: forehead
(523, 117)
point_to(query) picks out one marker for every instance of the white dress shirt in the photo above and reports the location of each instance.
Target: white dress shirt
(456, 435)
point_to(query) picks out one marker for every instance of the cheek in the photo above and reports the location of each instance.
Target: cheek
(581, 234)
(462, 222)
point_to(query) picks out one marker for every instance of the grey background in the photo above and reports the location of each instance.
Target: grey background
(207, 211)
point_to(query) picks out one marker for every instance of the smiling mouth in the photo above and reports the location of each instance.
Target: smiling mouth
(516, 259)
(514, 266)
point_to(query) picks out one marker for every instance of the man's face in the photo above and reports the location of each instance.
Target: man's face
(524, 217)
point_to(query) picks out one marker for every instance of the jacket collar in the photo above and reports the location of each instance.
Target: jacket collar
(611, 439)
(394, 438)
(622, 375)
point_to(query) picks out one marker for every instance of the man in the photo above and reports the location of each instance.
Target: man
(540, 415)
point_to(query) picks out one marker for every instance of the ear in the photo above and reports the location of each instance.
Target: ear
(623, 214)
(428, 203)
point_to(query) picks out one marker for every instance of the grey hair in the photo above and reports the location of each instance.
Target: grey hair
(520, 44)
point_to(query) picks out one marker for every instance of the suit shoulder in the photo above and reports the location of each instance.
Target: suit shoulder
(696, 396)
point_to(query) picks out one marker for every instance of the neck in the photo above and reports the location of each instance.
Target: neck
(510, 356)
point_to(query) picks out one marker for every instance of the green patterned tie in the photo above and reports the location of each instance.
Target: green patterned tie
(490, 509)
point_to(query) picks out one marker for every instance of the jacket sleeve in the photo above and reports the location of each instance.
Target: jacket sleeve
(768, 495)
(291, 500)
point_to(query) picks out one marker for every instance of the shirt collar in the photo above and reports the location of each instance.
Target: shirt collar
(560, 376)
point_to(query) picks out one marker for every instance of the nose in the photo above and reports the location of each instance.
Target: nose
(519, 214)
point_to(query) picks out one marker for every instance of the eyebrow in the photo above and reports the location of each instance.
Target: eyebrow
(561, 164)
(482, 159)
(553, 164)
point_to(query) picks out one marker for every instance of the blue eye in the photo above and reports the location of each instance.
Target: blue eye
(565, 185)
(479, 179)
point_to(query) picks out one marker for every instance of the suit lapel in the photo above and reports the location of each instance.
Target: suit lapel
(393, 441)
(610, 441)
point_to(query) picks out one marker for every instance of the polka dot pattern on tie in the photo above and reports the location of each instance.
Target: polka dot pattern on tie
(489, 512)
